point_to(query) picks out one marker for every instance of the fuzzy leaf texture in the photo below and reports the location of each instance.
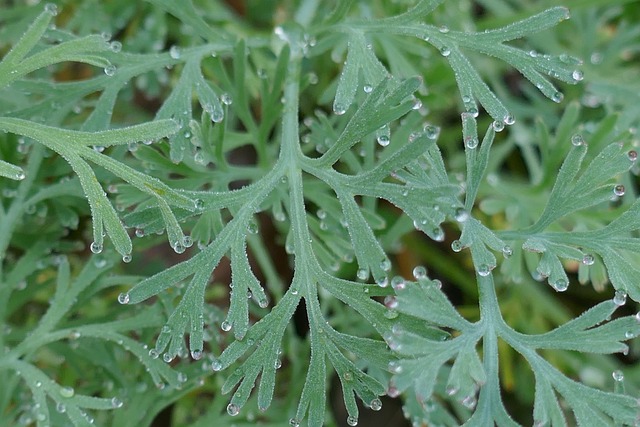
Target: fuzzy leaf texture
(330, 227)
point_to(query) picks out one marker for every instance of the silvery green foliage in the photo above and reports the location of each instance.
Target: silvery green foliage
(370, 149)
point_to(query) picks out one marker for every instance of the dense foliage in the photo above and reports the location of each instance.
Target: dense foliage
(420, 203)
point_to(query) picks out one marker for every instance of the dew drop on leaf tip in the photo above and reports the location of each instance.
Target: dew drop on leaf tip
(123, 298)
(51, 9)
(577, 75)
(352, 421)
(561, 285)
(233, 409)
(509, 120)
(617, 376)
(419, 272)
(96, 247)
(557, 97)
(398, 283)
(577, 140)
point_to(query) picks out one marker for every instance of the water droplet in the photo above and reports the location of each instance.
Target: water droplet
(437, 234)
(110, 70)
(376, 404)
(116, 403)
(588, 259)
(383, 140)
(443, 29)
(126, 258)
(471, 142)
(557, 97)
(451, 390)
(225, 326)
(507, 251)
(637, 316)
(461, 215)
(561, 285)
(393, 392)
(394, 367)
(577, 140)
(383, 282)
(445, 51)
(385, 265)
(168, 358)
(233, 409)
(617, 376)
(431, 131)
(198, 204)
(196, 354)
(419, 272)
(263, 302)
(618, 190)
(620, 298)
(456, 246)
(577, 75)
(498, 126)
(368, 88)
(95, 247)
(352, 421)
(20, 176)
(153, 353)
(216, 365)
(339, 109)
(362, 274)
(174, 52)
(123, 298)
(398, 283)
(484, 270)
(469, 402)
(115, 46)
(509, 120)
(390, 301)
(294, 422)
(61, 408)
(67, 392)
(629, 334)
(226, 99)
(252, 227)
(178, 247)
(38, 384)
(51, 9)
